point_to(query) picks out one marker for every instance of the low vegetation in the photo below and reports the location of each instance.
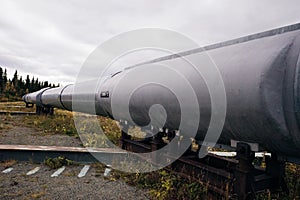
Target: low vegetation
(60, 123)
(15, 106)
(58, 162)
(165, 185)
(8, 163)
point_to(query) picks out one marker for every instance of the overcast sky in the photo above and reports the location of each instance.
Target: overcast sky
(51, 39)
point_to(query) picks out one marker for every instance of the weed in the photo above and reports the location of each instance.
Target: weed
(70, 174)
(99, 168)
(8, 163)
(37, 195)
(58, 162)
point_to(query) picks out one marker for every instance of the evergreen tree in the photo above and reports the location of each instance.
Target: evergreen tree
(21, 84)
(27, 83)
(46, 84)
(36, 84)
(15, 80)
(4, 79)
(10, 89)
(15, 88)
(1, 80)
(32, 88)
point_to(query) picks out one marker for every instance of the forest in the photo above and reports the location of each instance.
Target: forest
(12, 89)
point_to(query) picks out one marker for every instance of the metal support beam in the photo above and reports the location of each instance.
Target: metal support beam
(244, 172)
(124, 135)
(38, 154)
(156, 143)
(276, 169)
(43, 110)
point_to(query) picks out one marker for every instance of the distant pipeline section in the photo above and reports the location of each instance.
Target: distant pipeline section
(47, 98)
(261, 74)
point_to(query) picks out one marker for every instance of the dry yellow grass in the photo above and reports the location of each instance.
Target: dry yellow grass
(8, 163)
(15, 106)
(37, 195)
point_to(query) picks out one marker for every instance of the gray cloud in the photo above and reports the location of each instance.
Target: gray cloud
(51, 39)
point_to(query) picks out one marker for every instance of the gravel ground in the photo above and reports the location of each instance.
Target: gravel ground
(15, 133)
(17, 185)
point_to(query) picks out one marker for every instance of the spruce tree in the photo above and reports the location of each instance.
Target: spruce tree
(15, 80)
(1, 80)
(4, 79)
(27, 83)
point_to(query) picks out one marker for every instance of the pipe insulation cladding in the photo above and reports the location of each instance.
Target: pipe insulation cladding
(261, 75)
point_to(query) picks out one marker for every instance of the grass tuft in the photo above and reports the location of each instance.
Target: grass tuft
(58, 162)
(8, 163)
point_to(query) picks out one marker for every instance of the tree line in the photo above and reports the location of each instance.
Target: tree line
(16, 87)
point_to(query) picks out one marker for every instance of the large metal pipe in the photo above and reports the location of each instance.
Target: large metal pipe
(261, 74)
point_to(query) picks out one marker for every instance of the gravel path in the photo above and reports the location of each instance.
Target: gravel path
(17, 185)
(15, 133)
(25, 135)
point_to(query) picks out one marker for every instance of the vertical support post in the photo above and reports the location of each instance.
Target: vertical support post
(156, 143)
(51, 111)
(244, 177)
(276, 169)
(44, 110)
(38, 110)
(124, 134)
